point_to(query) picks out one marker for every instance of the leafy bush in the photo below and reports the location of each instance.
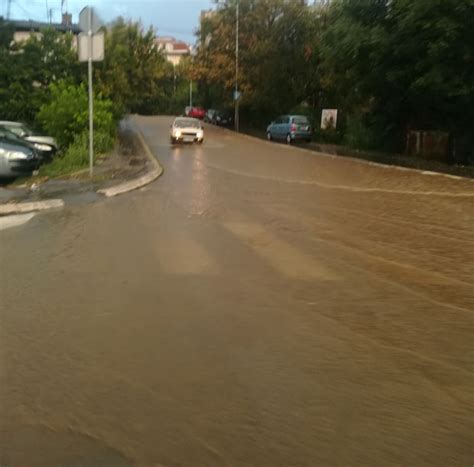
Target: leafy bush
(76, 155)
(359, 135)
(65, 115)
(330, 136)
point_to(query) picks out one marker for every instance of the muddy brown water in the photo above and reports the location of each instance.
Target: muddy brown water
(258, 305)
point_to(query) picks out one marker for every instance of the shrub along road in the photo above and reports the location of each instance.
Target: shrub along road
(259, 305)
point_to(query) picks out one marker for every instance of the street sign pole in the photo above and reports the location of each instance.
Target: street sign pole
(236, 103)
(236, 93)
(91, 99)
(90, 48)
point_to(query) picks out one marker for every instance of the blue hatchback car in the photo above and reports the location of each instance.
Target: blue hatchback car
(290, 128)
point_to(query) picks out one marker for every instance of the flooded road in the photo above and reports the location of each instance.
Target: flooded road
(258, 305)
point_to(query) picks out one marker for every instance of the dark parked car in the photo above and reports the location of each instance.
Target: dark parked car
(290, 128)
(223, 118)
(210, 114)
(17, 158)
(14, 138)
(46, 146)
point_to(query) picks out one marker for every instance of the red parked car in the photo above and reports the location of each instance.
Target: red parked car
(196, 112)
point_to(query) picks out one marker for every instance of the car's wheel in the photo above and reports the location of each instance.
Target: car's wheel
(200, 141)
(308, 140)
(269, 136)
(172, 141)
(288, 139)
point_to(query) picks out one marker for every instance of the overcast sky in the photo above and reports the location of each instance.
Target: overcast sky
(178, 18)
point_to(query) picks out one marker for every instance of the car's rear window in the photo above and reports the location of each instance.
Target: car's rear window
(300, 120)
(9, 135)
(20, 130)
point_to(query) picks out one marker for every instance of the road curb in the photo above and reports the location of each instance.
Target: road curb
(138, 182)
(125, 187)
(357, 160)
(30, 206)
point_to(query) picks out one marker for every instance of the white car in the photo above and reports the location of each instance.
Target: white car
(186, 130)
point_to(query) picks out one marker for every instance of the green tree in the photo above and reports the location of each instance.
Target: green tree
(387, 65)
(134, 73)
(28, 68)
(398, 64)
(6, 33)
(276, 39)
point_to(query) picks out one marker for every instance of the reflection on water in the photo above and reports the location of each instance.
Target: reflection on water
(200, 186)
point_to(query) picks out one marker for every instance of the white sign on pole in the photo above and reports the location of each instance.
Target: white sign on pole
(88, 20)
(328, 119)
(90, 45)
(83, 47)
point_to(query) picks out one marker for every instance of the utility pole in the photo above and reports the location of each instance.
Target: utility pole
(192, 55)
(9, 4)
(91, 98)
(174, 79)
(236, 92)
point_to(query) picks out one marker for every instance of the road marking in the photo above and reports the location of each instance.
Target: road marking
(330, 186)
(8, 222)
(17, 208)
(284, 257)
(182, 255)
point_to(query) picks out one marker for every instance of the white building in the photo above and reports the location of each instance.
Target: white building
(24, 29)
(174, 50)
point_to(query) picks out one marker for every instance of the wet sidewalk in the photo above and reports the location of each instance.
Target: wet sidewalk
(126, 161)
(400, 160)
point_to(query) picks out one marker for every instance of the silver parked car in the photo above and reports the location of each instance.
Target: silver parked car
(186, 130)
(45, 145)
(290, 128)
(17, 158)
